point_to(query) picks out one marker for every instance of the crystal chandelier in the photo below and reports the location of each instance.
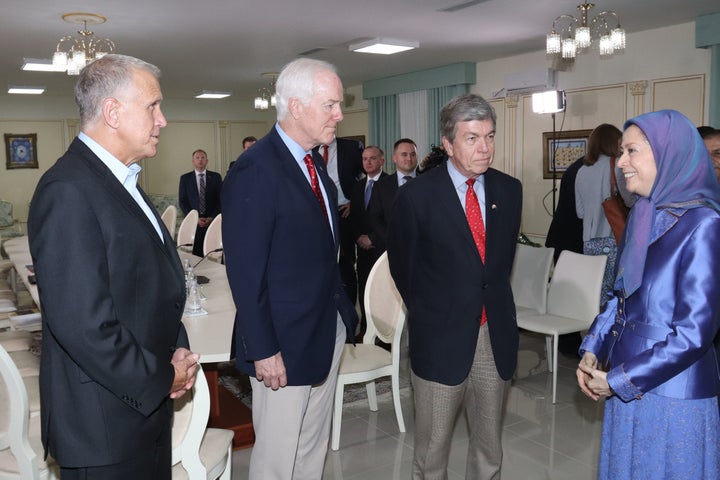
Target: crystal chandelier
(570, 36)
(73, 53)
(266, 95)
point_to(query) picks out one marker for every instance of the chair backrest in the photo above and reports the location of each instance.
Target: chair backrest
(192, 411)
(14, 419)
(384, 308)
(575, 286)
(169, 218)
(530, 276)
(213, 239)
(186, 232)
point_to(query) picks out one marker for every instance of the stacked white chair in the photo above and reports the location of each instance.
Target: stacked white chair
(573, 301)
(21, 451)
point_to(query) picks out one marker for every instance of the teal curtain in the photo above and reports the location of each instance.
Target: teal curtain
(384, 126)
(437, 98)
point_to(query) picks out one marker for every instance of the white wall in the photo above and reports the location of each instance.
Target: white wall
(598, 91)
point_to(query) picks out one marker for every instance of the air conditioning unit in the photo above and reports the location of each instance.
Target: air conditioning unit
(530, 81)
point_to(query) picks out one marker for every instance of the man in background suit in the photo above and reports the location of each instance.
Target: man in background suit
(343, 160)
(281, 243)
(114, 351)
(451, 246)
(373, 159)
(380, 206)
(200, 190)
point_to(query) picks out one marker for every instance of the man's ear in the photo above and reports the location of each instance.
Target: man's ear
(111, 112)
(295, 107)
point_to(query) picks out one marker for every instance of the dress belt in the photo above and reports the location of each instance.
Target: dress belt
(643, 329)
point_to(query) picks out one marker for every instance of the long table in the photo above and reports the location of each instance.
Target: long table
(209, 335)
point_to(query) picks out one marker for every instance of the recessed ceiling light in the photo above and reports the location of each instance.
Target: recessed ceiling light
(40, 65)
(383, 46)
(25, 90)
(211, 94)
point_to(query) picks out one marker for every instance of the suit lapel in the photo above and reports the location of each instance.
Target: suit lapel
(117, 191)
(447, 194)
(299, 182)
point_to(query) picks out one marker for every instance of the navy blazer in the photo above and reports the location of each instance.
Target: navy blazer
(359, 222)
(188, 193)
(112, 296)
(281, 260)
(443, 282)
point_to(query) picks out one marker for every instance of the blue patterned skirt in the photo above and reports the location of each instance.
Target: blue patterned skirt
(660, 438)
(604, 246)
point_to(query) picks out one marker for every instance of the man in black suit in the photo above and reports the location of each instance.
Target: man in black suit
(200, 190)
(114, 351)
(280, 231)
(380, 206)
(343, 160)
(451, 245)
(373, 160)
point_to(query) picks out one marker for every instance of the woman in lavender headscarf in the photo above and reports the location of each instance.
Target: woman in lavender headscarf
(656, 335)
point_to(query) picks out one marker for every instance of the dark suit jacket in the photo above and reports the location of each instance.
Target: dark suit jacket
(438, 271)
(188, 193)
(566, 229)
(359, 221)
(281, 261)
(349, 158)
(112, 298)
(379, 210)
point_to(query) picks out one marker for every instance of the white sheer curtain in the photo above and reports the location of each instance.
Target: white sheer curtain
(413, 108)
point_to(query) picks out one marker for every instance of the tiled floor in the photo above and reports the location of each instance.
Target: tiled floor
(541, 441)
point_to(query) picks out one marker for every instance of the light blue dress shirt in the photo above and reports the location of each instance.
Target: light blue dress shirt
(458, 180)
(299, 155)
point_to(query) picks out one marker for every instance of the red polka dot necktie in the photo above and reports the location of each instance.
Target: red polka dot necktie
(477, 227)
(315, 185)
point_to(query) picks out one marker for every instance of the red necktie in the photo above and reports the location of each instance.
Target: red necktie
(325, 153)
(315, 184)
(475, 221)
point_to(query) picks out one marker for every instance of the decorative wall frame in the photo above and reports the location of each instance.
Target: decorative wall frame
(561, 149)
(21, 150)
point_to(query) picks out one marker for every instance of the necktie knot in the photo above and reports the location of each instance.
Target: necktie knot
(406, 179)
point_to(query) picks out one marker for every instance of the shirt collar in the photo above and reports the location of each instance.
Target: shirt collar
(118, 169)
(458, 179)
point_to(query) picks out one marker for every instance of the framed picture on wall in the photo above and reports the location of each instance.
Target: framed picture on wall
(21, 150)
(561, 149)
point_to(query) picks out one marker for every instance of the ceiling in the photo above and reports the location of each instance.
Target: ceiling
(227, 45)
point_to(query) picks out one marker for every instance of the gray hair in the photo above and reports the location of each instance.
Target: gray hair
(296, 80)
(104, 78)
(464, 108)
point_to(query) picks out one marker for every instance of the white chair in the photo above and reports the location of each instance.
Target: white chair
(366, 362)
(213, 239)
(186, 232)
(199, 453)
(529, 279)
(169, 218)
(20, 445)
(573, 301)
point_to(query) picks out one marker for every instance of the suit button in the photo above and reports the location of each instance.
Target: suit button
(177, 306)
(484, 286)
